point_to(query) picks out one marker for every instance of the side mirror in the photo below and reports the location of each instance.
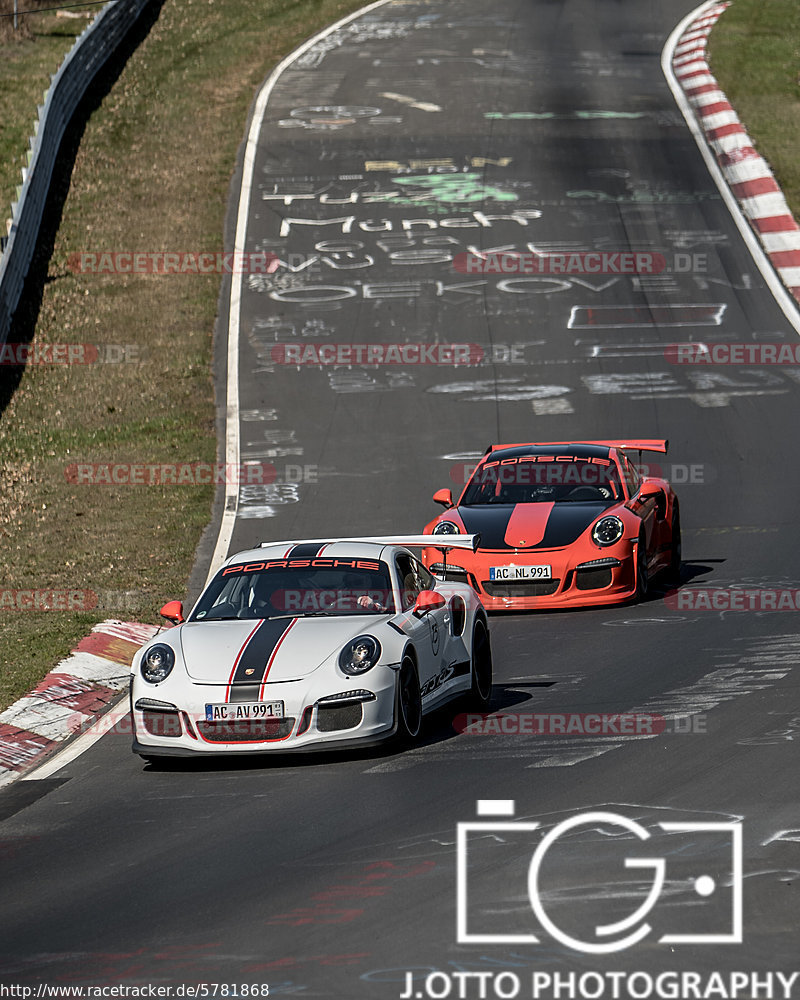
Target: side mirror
(658, 494)
(444, 497)
(173, 612)
(648, 493)
(428, 600)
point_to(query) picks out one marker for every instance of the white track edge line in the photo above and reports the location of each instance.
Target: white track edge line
(232, 444)
(66, 755)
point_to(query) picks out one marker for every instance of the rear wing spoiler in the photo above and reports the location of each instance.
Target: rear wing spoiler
(470, 542)
(644, 444)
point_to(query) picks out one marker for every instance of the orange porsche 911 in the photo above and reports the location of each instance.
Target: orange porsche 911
(561, 524)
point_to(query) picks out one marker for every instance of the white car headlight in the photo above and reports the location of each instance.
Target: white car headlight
(447, 528)
(608, 530)
(360, 655)
(157, 663)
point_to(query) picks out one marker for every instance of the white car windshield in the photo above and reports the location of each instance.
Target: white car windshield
(275, 588)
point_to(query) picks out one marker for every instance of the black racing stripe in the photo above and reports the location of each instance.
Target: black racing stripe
(568, 521)
(490, 521)
(307, 551)
(245, 687)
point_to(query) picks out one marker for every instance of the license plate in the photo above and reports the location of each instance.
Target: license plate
(234, 711)
(520, 572)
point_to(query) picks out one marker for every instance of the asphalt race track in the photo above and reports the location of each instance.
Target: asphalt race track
(410, 135)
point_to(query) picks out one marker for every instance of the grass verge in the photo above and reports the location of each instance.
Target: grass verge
(755, 55)
(151, 173)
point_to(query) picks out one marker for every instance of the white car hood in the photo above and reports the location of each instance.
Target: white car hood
(274, 650)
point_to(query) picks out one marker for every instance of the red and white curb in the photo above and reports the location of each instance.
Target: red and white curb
(70, 697)
(746, 172)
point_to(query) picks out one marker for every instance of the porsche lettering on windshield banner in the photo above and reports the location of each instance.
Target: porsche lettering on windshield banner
(257, 567)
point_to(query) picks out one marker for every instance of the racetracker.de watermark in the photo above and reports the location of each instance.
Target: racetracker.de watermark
(611, 724)
(560, 724)
(70, 354)
(186, 474)
(733, 599)
(635, 262)
(317, 355)
(305, 601)
(679, 473)
(521, 474)
(732, 354)
(172, 262)
(46, 599)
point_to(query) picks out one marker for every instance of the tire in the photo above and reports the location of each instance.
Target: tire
(409, 703)
(674, 569)
(642, 577)
(480, 694)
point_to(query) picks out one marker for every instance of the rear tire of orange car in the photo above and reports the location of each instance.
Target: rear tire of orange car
(480, 694)
(674, 571)
(409, 703)
(642, 580)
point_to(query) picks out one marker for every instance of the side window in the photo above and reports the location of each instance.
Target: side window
(426, 579)
(631, 476)
(409, 581)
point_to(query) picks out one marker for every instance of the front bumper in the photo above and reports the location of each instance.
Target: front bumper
(578, 579)
(173, 723)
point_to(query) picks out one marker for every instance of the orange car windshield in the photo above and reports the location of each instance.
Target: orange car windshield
(545, 479)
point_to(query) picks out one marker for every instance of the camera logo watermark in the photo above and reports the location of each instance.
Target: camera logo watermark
(621, 934)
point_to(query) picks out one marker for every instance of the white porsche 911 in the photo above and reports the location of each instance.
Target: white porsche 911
(311, 645)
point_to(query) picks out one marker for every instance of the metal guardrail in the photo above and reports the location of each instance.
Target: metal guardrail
(69, 85)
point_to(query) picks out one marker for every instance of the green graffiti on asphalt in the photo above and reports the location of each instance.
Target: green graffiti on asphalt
(449, 189)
